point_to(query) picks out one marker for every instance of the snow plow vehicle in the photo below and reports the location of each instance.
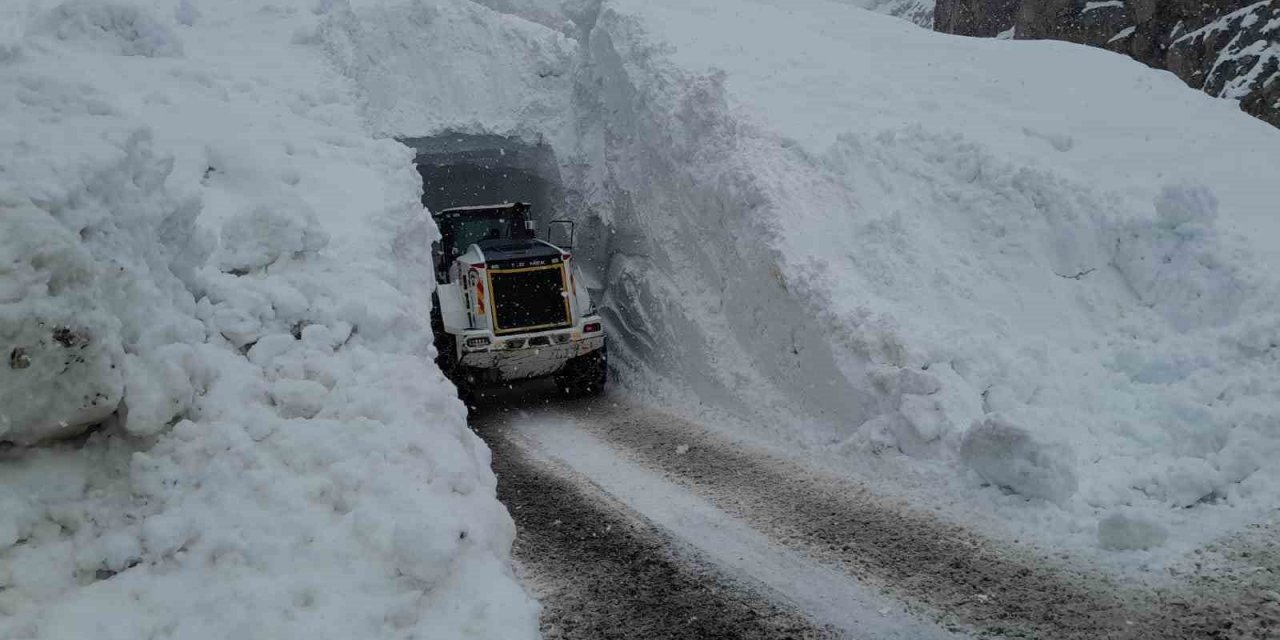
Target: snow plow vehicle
(510, 306)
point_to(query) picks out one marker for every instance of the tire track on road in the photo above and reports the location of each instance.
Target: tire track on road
(999, 590)
(601, 572)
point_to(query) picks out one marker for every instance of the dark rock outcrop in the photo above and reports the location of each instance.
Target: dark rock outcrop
(1227, 48)
(982, 18)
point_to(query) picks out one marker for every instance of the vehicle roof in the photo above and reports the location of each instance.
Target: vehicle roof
(484, 207)
(499, 249)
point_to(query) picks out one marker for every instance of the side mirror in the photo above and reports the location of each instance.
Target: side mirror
(531, 226)
(560, 233)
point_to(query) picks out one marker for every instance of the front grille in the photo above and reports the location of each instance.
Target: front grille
(528, 299)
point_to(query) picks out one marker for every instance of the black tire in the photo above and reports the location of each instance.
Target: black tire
(462, 377)
(446, 345)
(585, 375)
(447, 355)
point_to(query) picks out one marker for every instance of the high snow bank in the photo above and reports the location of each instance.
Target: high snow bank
(1003, 273)
(1009, 263)
(206, 259)
(489, 72)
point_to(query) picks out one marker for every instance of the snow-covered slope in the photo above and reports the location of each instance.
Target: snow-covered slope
(1039, 276)
(202, 244)
(919, 12)
(1226, 48)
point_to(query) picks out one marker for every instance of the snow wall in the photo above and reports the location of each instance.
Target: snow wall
(684, 244)
(988, 298)
(219, 415)
(1008, 303)
(799, 235)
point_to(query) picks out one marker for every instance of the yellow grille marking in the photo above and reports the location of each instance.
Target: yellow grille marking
(497, 329)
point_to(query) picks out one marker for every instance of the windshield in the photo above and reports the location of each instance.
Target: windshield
(465, 232)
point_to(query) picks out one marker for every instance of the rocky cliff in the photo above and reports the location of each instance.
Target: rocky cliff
(1227, 48)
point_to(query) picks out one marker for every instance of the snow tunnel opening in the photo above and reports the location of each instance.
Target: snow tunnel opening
(461, 169)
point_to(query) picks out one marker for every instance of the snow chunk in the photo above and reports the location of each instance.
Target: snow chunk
(111, 27)
(1127, 531)
(926, 418)
(62, 370)
(158, 388)
(298, 398)
(1175, 262)
(265, 234)
(1008, 456)
(1184, 482)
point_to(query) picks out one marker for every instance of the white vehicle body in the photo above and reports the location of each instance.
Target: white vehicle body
(514, 308)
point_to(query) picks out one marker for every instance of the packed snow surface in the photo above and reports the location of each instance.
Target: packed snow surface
(215, 280)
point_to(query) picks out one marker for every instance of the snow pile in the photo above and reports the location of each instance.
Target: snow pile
(215, 282)
(1015, 263)
(260, 237)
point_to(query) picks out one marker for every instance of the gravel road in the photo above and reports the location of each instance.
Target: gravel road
(602, 570)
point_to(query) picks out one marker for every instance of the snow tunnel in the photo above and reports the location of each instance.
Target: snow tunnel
(460, 169)
(693, 303)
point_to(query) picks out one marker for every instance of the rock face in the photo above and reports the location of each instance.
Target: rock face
(983, 18)
(1227, 48)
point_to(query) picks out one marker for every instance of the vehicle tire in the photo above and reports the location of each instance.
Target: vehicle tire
(463, 378)
(446, 345)
(585, 375)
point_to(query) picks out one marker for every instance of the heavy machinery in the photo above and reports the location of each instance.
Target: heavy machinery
(510, 306)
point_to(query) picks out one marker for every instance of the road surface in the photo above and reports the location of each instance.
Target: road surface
(633, 523)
